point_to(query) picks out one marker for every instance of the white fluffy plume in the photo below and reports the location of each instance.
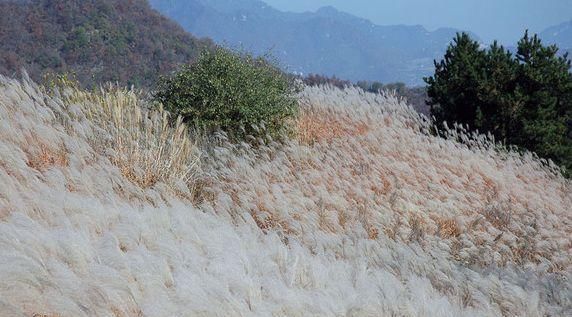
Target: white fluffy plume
(106, 211)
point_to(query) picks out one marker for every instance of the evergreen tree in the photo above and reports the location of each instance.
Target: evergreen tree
(496, 105)
(524, 100)
(545, 93)
(453, 90)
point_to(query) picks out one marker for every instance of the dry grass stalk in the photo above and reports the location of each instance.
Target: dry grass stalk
(146, 145)
(316, 125)
(266, 222)
(43, 157)
(498, 215)
(417, 231)
(373, 233)
(448, 228)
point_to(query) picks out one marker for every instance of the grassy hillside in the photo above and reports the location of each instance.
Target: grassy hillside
(99, 40)
(107, 210)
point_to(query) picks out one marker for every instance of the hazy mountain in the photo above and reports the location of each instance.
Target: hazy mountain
(98, 40)
(560, 34)
(326, 41)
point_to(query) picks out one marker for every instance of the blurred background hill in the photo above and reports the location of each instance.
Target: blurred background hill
(121, 41)
(326, 41)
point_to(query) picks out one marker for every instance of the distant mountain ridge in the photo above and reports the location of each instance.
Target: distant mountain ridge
(123, 41)
(560, 34)
(327, 41)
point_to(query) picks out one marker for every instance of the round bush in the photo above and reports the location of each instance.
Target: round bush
(231, 91)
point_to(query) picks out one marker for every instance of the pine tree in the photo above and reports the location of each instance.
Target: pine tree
(524, 100)
(496, 107)
(545, 88)
(453, 90)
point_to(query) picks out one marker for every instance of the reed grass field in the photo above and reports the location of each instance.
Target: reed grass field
(111, 207)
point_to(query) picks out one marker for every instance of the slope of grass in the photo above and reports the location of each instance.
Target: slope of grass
(362, 213)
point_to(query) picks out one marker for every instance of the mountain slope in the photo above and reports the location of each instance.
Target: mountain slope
(560, 34)
(327, 41)
(104, 211)
(99, 40)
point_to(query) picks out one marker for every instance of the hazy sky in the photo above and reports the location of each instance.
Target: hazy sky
(505, 20)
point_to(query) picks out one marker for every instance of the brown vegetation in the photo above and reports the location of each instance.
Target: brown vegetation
(44, 157)
(98, 41)
(322, 125)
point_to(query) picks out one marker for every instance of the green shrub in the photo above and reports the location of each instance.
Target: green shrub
(231, 91)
